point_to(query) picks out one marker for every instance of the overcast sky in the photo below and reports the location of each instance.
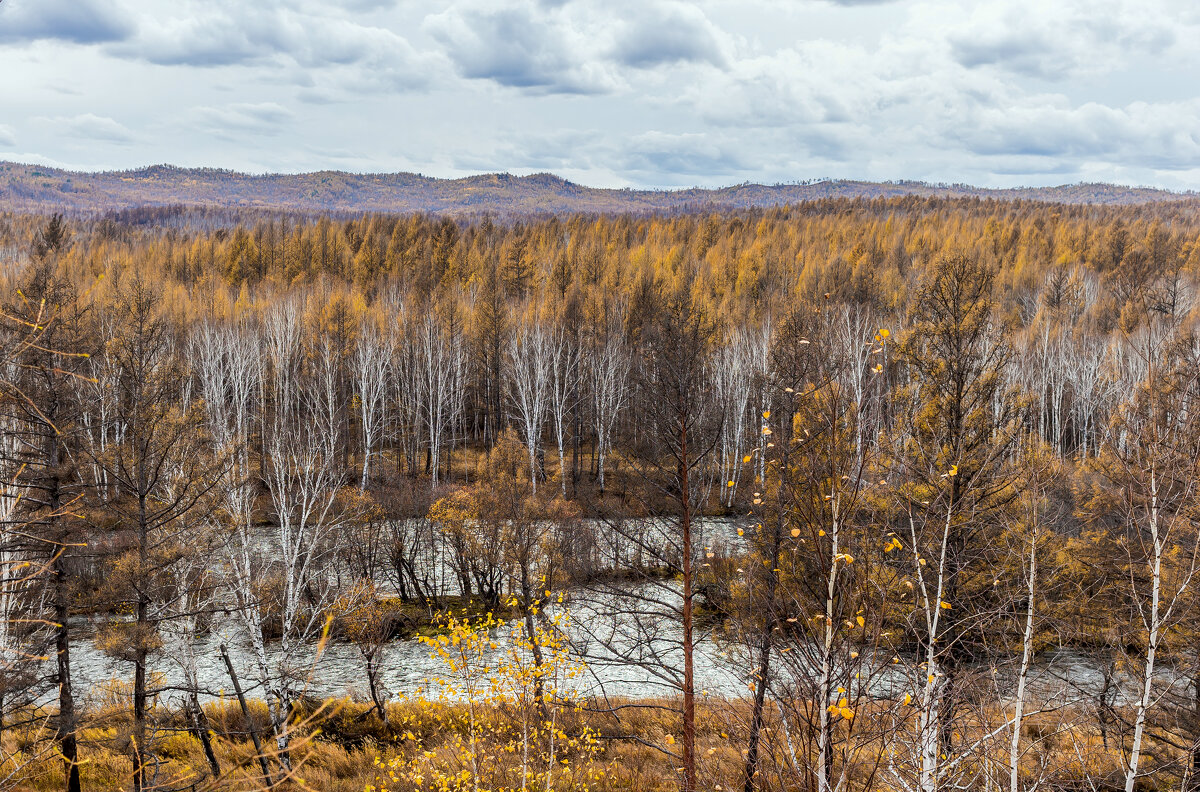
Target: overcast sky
(657, 93)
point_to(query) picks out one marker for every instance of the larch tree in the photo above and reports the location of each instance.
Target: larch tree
(162, 473)
(953, 475)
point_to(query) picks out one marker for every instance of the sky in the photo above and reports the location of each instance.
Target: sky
(613, 93)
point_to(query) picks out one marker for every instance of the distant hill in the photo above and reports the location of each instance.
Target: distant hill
(35, 188)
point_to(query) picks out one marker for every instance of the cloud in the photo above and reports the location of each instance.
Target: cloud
(523, 44)
(263, 118)
(319, 39)
(637, 92)
(75, 21)
(566, 47)
(1055, 41)
(689, 154)
(658, 33)
(817, 82)
(92, 128)
(1162, 136)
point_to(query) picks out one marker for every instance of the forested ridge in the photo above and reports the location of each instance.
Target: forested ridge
(952, 437)
(40, 188)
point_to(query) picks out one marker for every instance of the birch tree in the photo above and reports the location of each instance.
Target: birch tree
(530, 363)
(439, 361)
(1153, 465)
(608, 368)
(564, 373)
(303, 479)
(369, 366)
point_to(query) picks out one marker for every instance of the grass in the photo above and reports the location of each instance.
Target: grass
(344, 746)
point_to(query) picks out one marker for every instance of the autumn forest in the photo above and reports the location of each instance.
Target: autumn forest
(850, 494)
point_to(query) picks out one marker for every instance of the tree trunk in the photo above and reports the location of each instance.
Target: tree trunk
(250, 726)
(200, 727)
(1014, 755)
(139, 663)
(764, 663)
(66, 699)
(689, 682)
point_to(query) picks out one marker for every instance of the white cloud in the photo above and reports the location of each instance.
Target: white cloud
(524, 44)
(1059, 40)
(89, 127)
(544, 46)
(76, 21)
(316, 37)
(263, 118)
(639, 92)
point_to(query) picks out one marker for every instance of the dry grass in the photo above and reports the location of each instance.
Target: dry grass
(340, 744)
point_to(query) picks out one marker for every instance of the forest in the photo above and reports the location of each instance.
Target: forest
(39, 188)
(850, 494)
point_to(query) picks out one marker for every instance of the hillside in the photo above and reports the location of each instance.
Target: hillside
(38, 188)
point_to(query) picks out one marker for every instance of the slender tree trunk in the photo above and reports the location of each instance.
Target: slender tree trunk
(67, 721)
(139, 665)
(825, 679)
(689, 682)
(200, 727)
(67, 724)
(1144, 700)
(1193, 779)
(531, 635)
(1014, 754)
(371, 657)
(250, 726)
(765, 647)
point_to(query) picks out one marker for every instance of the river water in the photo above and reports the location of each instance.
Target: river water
(630, 654)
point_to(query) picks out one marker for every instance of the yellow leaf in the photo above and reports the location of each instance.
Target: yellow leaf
(729, 483)
(945, 605)
(795, 532)
(861, 621)
(767, 414)
(846, 713)
(884, 332)
(670, 739)
(746, 459)
(908, 698)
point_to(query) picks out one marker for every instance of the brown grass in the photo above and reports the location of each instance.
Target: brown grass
(339, 745)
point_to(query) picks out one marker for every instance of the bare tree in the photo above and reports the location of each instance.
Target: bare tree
(369, 367)
(564, 373)
(162, 471)
(529, 368)
(1154, 465)
(608, 368)
(681, 430)
(303, 481)
(439, 362)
